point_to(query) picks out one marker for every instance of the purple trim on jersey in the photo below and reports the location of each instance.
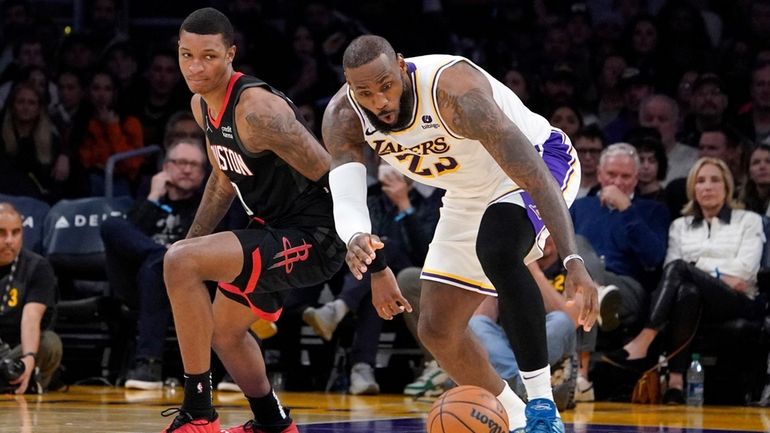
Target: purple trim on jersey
(560, 162)
(410, 67)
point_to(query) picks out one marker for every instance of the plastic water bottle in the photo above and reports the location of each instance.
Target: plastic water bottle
(695, 378)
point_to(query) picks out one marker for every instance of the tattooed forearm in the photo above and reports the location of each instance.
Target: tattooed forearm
(214, 205)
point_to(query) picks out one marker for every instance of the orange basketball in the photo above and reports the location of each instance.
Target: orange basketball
(467, 409)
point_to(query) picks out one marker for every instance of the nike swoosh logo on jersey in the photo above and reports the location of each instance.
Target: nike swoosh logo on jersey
(370, 131)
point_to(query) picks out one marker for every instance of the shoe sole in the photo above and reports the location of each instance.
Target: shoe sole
(312, 319)
(369, 390)
(608, 310)
(141, 384)
(228, 387)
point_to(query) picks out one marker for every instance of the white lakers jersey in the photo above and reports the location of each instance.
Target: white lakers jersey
(428, 151)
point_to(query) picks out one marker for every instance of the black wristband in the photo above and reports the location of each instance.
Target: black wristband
(379, 263)
(32, 354)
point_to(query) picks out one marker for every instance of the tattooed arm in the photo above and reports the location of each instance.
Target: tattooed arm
(465, 99)
(266, 122)
(345, 140)
(219, 192)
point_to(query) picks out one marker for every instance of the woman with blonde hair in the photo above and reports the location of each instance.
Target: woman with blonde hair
(709, 274)
(29, 145)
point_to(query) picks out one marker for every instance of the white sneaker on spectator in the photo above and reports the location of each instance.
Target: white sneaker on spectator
(609, 307)
(584, 389)
(362, 380)
(430, 383)
(324, 320)
(228, 384)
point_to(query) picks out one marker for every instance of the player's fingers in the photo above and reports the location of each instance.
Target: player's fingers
(384, 312)
(356, 266)
(375, 242)
(404, 304)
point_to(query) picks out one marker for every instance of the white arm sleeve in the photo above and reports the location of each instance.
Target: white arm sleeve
(348, 186)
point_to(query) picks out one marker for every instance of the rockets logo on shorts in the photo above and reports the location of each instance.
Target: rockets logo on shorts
(291, 255)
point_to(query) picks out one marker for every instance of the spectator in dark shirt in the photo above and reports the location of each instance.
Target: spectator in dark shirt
(27, 299)
(135, 249)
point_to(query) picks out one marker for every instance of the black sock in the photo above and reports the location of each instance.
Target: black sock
(197, 396)
(268, 412)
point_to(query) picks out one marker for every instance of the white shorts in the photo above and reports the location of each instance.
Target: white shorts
(452, 257)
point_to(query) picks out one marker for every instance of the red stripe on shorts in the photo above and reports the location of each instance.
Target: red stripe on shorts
(256, 271)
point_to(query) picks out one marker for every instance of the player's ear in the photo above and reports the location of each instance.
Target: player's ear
(401, 61)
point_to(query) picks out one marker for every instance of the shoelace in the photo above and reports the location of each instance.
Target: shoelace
(182, 418)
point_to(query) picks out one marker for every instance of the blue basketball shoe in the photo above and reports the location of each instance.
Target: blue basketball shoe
(541, 418)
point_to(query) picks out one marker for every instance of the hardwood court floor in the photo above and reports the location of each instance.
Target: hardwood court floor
(104, 409)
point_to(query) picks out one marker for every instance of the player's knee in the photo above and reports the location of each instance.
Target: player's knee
(505, 236)
(179, 262)
(433, 334)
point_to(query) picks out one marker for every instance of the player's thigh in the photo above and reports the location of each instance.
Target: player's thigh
(215, 257)
(231, 316)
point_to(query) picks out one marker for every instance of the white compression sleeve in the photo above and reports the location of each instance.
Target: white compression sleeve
(348, 186)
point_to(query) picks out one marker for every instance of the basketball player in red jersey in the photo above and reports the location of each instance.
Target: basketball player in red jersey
(263, 154)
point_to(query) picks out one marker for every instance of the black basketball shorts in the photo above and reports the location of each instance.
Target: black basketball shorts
(278, 260)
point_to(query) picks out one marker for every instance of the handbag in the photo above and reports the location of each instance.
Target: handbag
(647, 388)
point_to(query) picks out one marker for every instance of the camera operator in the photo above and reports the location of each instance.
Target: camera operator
(27, 299)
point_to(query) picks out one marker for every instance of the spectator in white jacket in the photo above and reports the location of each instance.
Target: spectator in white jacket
(710, 270)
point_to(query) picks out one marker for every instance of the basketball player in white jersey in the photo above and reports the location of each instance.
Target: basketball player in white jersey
(445, 122)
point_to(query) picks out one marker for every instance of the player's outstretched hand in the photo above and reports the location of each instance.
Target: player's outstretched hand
(361, 252)
(386, 296)
(578, 281)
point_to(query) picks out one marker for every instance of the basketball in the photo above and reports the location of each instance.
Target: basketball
(467, 409)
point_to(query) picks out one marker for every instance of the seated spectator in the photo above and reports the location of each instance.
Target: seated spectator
(560, 324)
(27, 308)
(755, 193)
(405, 215)
(102, 131)
(709, 103)
(710, 274)
(30, 147)
(662, 113)
(589, 143)
(135, 249)
(567, 118)
(653, 164)
(625, 234)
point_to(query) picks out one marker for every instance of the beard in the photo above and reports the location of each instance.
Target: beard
(405, 103)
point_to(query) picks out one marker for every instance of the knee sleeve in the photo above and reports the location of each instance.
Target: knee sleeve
(505, 235)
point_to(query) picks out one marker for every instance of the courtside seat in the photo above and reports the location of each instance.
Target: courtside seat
(33, 213)
(88, 317)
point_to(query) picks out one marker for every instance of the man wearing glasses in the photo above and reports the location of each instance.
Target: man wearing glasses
(135, 248)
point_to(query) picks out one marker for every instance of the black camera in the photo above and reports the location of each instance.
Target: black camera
(10, 369)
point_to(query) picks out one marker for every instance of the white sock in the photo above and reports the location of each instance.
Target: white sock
(538, 384)
(514, 406)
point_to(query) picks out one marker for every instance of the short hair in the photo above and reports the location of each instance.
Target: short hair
(209, 21)
(590, 132)
(692, 207)
(620, 149)
(671, 102)
(732, 137)
(8, 208)
(364, 49)
(188, 141)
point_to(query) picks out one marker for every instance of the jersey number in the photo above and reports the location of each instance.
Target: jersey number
(445, 164)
